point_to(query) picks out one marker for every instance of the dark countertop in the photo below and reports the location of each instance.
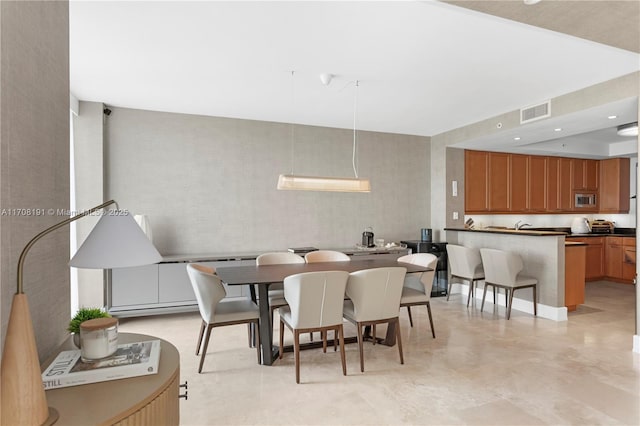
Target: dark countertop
(543, 232)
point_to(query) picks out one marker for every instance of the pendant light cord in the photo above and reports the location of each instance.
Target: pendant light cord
(292, 126)
(355, 107)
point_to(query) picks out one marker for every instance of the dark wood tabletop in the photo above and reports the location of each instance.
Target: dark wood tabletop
(269, 274)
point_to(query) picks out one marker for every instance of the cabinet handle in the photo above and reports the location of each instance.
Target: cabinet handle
(184, 395)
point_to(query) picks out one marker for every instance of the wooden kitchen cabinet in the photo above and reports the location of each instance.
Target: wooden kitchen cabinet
(613, 256)
(594, 269)
(565, 195)
(476, 171)
(537, 183)
(614, 177)
(584, 174)
(498, 183)
(574, 275)
(519, 183)
(628, 259)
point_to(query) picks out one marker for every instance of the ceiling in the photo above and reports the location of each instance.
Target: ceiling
(423, 67)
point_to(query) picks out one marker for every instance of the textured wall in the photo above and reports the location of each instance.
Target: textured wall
(208, 184)
(34, 160)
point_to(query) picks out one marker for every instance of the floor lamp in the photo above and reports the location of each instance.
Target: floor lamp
(115, 242)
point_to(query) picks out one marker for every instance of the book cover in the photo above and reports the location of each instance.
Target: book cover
(129, 360)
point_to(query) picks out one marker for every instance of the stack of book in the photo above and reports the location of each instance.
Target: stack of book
(130, 360)
(302, 250)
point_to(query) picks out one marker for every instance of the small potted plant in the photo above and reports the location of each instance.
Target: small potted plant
(81, 316)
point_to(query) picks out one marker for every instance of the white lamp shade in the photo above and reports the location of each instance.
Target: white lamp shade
(115, 242)
(322, 183)
(143, 221)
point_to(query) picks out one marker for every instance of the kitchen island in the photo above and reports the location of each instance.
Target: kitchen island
(543, 255)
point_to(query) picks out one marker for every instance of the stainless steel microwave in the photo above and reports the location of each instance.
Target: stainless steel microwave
(585, 200)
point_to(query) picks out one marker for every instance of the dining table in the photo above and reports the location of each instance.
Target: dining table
(261, 277)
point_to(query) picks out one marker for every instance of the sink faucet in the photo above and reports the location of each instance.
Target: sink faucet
(521, 225)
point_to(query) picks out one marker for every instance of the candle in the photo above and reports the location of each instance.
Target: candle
(99, 338)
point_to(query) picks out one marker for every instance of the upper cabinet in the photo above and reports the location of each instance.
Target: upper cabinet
(499, 182)
(584, 174)
(614, 181)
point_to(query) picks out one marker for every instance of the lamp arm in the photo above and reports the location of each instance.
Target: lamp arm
(26, 249)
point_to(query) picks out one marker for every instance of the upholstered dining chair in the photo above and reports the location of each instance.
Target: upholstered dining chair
(276, 291)
(502, 270)
(374, 298)
(315, 303)
(466, 265)
(326, 256)
(417, 286)
(318, 256)
(215, 311)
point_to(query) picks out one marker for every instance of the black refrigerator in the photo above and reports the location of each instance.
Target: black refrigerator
(440, 279)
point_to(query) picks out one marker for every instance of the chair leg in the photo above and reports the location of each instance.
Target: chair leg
(433, 331)
(449, 290)
(340, 333)
(249, 332)
(409, 312)
(399, 338)
(311, 336)
(323, 335)
(470, 292)
(256, 342)
(535, 302)
(296, 350)
(335, 340)
(202, 327)
(281, 349)
(484, 293)
(360, 347)
(510, 302)
(204, 348)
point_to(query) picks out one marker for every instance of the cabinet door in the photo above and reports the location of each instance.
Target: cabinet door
(476, 165)
(614, 185)
(538, 183)
(498, 182)
(595, 258)
(628, 259)
(518, 187)
(174, 284)
(553, 184)
(565, 196)
(613, 257)
(577, 174)
(134, 286)
(591, 174)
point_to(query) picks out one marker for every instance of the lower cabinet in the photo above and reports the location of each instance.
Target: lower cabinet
(574, 275)
(609, 258)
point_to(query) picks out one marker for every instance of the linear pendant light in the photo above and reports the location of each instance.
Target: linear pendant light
(293, 182)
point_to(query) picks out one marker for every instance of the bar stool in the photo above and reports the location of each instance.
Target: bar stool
(502, 270)
(466, 264)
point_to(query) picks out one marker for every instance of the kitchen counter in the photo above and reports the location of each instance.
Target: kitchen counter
(618, 232)
(523, 232)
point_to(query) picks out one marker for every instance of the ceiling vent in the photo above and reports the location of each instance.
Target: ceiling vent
(535, 112)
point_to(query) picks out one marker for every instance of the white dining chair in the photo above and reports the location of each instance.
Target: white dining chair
(417, 286)
(318, 256)
(276, 291)
(502, 270)
(314, 303)
(215, 311)
(374, 298)
(466, 265)
(326, 256)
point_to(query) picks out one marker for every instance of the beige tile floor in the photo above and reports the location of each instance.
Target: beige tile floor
(480, 370)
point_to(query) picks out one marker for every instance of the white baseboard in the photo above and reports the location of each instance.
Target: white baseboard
(636, 343)
(544, 311)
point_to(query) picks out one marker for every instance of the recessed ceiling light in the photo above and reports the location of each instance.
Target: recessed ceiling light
(531, 2)
(611, 117)
(517, 138)
(559, 129)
